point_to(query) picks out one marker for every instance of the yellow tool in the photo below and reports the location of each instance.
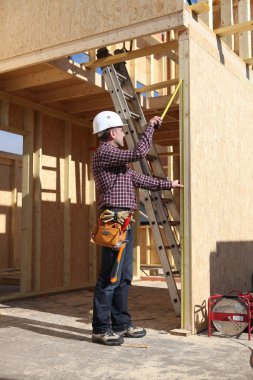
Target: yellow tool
(171, 99)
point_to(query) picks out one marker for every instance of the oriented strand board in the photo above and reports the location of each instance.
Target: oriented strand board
(79, 268)
(5, 214)
(52, 208)
(78, 19)
(65, 227)
(221, 153)
(16, 116)
(10, 211)
(84, 26)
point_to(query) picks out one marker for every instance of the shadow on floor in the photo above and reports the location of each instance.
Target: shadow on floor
(45, 328)
(150, 307)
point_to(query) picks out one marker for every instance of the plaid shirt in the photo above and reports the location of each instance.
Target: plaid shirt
(116, 181)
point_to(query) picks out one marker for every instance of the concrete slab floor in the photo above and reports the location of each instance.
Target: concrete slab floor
(50, 338)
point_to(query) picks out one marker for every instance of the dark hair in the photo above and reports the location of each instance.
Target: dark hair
(105, 136)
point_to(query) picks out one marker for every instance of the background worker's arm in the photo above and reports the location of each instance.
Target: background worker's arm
(111, 156)
(151, 183)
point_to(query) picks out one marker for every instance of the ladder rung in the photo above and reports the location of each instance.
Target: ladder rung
(174, 223)
(167, 200)
(121, 77)
(135, 115)
(151, 158)
(151, 266)
(128, 96)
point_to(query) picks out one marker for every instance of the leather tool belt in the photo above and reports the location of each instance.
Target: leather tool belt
(111, 228)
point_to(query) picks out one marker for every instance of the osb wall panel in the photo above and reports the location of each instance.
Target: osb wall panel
(52, 208)
(5, 215)
(55, 22)
(221, 153)
(79, 268)
(53, 181)
(18, 220)
(10, 239)
(16, 116)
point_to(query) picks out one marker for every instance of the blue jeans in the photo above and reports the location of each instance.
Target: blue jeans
(110, 304)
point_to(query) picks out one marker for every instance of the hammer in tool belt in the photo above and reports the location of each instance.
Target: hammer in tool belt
(115, 269)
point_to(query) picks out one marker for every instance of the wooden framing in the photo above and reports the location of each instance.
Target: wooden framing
(245, 48)
(10, 194)
(157, 86)
(170, 17)
(153, 49)
(198, 8)
(207, 17)
(58, 188)
(186, 291)
(14, 211)
(249, 61)
(27, 203)
(37, 156)
(37, 107)
(233, 29)
(67, 206)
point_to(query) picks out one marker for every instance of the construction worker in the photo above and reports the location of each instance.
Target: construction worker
(116, 183)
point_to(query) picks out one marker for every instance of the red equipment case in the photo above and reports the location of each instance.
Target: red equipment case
(240, 320)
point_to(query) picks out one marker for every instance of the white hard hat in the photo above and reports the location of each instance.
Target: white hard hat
(105, 120)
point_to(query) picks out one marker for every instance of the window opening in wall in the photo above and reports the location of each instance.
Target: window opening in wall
(11, 143)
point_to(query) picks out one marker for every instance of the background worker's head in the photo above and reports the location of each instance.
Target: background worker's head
(109, 128)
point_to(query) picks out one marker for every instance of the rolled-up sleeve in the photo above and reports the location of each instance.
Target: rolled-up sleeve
(150, 183)
(110, 156)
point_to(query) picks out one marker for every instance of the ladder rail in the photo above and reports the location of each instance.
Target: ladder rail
(128, 107)
(119, 103)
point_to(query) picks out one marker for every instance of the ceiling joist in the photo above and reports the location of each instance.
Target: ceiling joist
(233, 29)
(199, 8)
(78, 71)
(152, 40)
(148, 50)
(157, 86)
(44, 109)
(68, 93)
(91, 103)
(33, 80)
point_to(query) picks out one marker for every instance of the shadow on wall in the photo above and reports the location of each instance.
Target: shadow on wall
(231, 268)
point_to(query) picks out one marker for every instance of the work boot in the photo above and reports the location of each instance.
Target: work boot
(133, 332)
(109, 338)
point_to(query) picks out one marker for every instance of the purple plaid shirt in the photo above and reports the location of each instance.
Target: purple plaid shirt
(116, 181)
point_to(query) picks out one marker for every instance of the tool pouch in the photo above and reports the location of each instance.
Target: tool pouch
(109, 235)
